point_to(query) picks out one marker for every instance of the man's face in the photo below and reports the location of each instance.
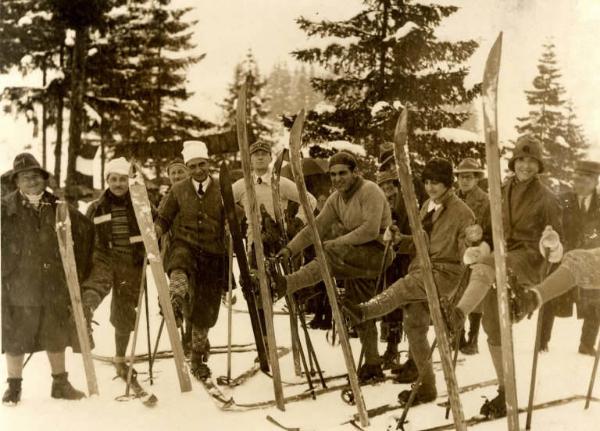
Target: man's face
(118, 184)
(434, 189)
(260, 160)
(342, 178)
(526, 168)
(31, 182)
(584, 185)
(198, 169)
(390, 190)
(178, 173)
(467, 181)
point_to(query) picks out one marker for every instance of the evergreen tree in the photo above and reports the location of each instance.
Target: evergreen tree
(257, 112)
(279, 91)
(385, 56)
(551, 120)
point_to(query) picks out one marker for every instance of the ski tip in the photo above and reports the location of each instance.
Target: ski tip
(151, 401)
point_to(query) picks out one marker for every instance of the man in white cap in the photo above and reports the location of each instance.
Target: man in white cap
(197, 259)
(118, 258)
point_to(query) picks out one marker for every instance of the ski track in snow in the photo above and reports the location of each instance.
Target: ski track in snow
(562, 372)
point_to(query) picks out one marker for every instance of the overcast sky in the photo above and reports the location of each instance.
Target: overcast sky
(227, 29)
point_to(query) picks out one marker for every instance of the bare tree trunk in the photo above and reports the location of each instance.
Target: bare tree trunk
(77, 92)
(60, 105)
(44, 125)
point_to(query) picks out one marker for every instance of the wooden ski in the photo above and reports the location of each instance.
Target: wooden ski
(143, 215)
(254, 220)
(291, 303)
(296, 162)
(67, 255)
(489, 92)
(420, 240)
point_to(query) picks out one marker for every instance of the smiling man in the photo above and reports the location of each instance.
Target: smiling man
(445, 219)
(197, 259)
(356, 216)
(118, 258)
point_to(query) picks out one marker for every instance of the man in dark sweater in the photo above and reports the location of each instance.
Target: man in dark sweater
(197, 258)
(118, 258)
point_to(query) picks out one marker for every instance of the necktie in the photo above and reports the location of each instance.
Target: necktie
(427, 222)
(200, 189)
(259, 180)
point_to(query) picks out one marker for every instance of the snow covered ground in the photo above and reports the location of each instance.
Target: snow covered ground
(562, 372)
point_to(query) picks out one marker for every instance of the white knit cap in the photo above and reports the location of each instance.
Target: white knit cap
(194, 150)
(119, 166)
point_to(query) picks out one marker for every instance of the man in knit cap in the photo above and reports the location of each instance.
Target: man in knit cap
(197, 258)
(118, 258)
(356, 214)
(445, 219)
(532, 220)
(469, 173)
(36, 304)
(177, 171)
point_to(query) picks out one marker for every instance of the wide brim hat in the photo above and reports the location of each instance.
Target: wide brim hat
(588, 167)
(469, 165)
(527, 146)
(27, 162)
(438, 170)
(386, 176)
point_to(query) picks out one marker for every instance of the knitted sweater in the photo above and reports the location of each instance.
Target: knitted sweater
(363, 217)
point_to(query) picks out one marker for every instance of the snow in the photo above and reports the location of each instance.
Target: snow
(402, 31)
(343, 146)
(324, 42)
(25, 20)
(324, 107)
(92, 51)
(118, 12)
(378, 107)
(26, 61)
(562, 142)
(70, 37)
(562, 372)
(458, 135)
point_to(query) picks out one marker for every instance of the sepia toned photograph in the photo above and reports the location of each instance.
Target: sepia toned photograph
(300, 215)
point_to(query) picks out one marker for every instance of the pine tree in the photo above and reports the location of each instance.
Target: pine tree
(385, 56)
(278, 89)
(551, 120)
(258, 127)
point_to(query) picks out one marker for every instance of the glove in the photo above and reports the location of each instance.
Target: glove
(284, 254)
(523, 303)
(455, 320)
(476, 254)
(473, 234)
(88, 313)
(550, 246)
(224, 299)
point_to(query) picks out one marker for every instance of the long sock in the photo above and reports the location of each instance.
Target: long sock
(480, 282)
(496, 354)
(57, 362)
(121, 342)
(14, 365)
(383, 303)
(474, 325)
(557, 283)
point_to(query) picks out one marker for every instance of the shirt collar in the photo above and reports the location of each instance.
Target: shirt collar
(265, 178)
(433, 206)
(205, 184)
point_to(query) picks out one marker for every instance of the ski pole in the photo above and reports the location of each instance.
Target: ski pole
(136, 328)
(413, 393)
(537, 344)
(150, 373)
(454, 359)
(588, 398)
(312, 355)
(160, 329)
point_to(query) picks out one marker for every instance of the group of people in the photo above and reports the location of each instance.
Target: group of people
(364, 227)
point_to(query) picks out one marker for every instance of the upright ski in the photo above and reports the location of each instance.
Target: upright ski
(240, 253)
(143, 214)
(254, 221)
(489, 92)
(295, 144)
(420, 240)
(67, 255)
